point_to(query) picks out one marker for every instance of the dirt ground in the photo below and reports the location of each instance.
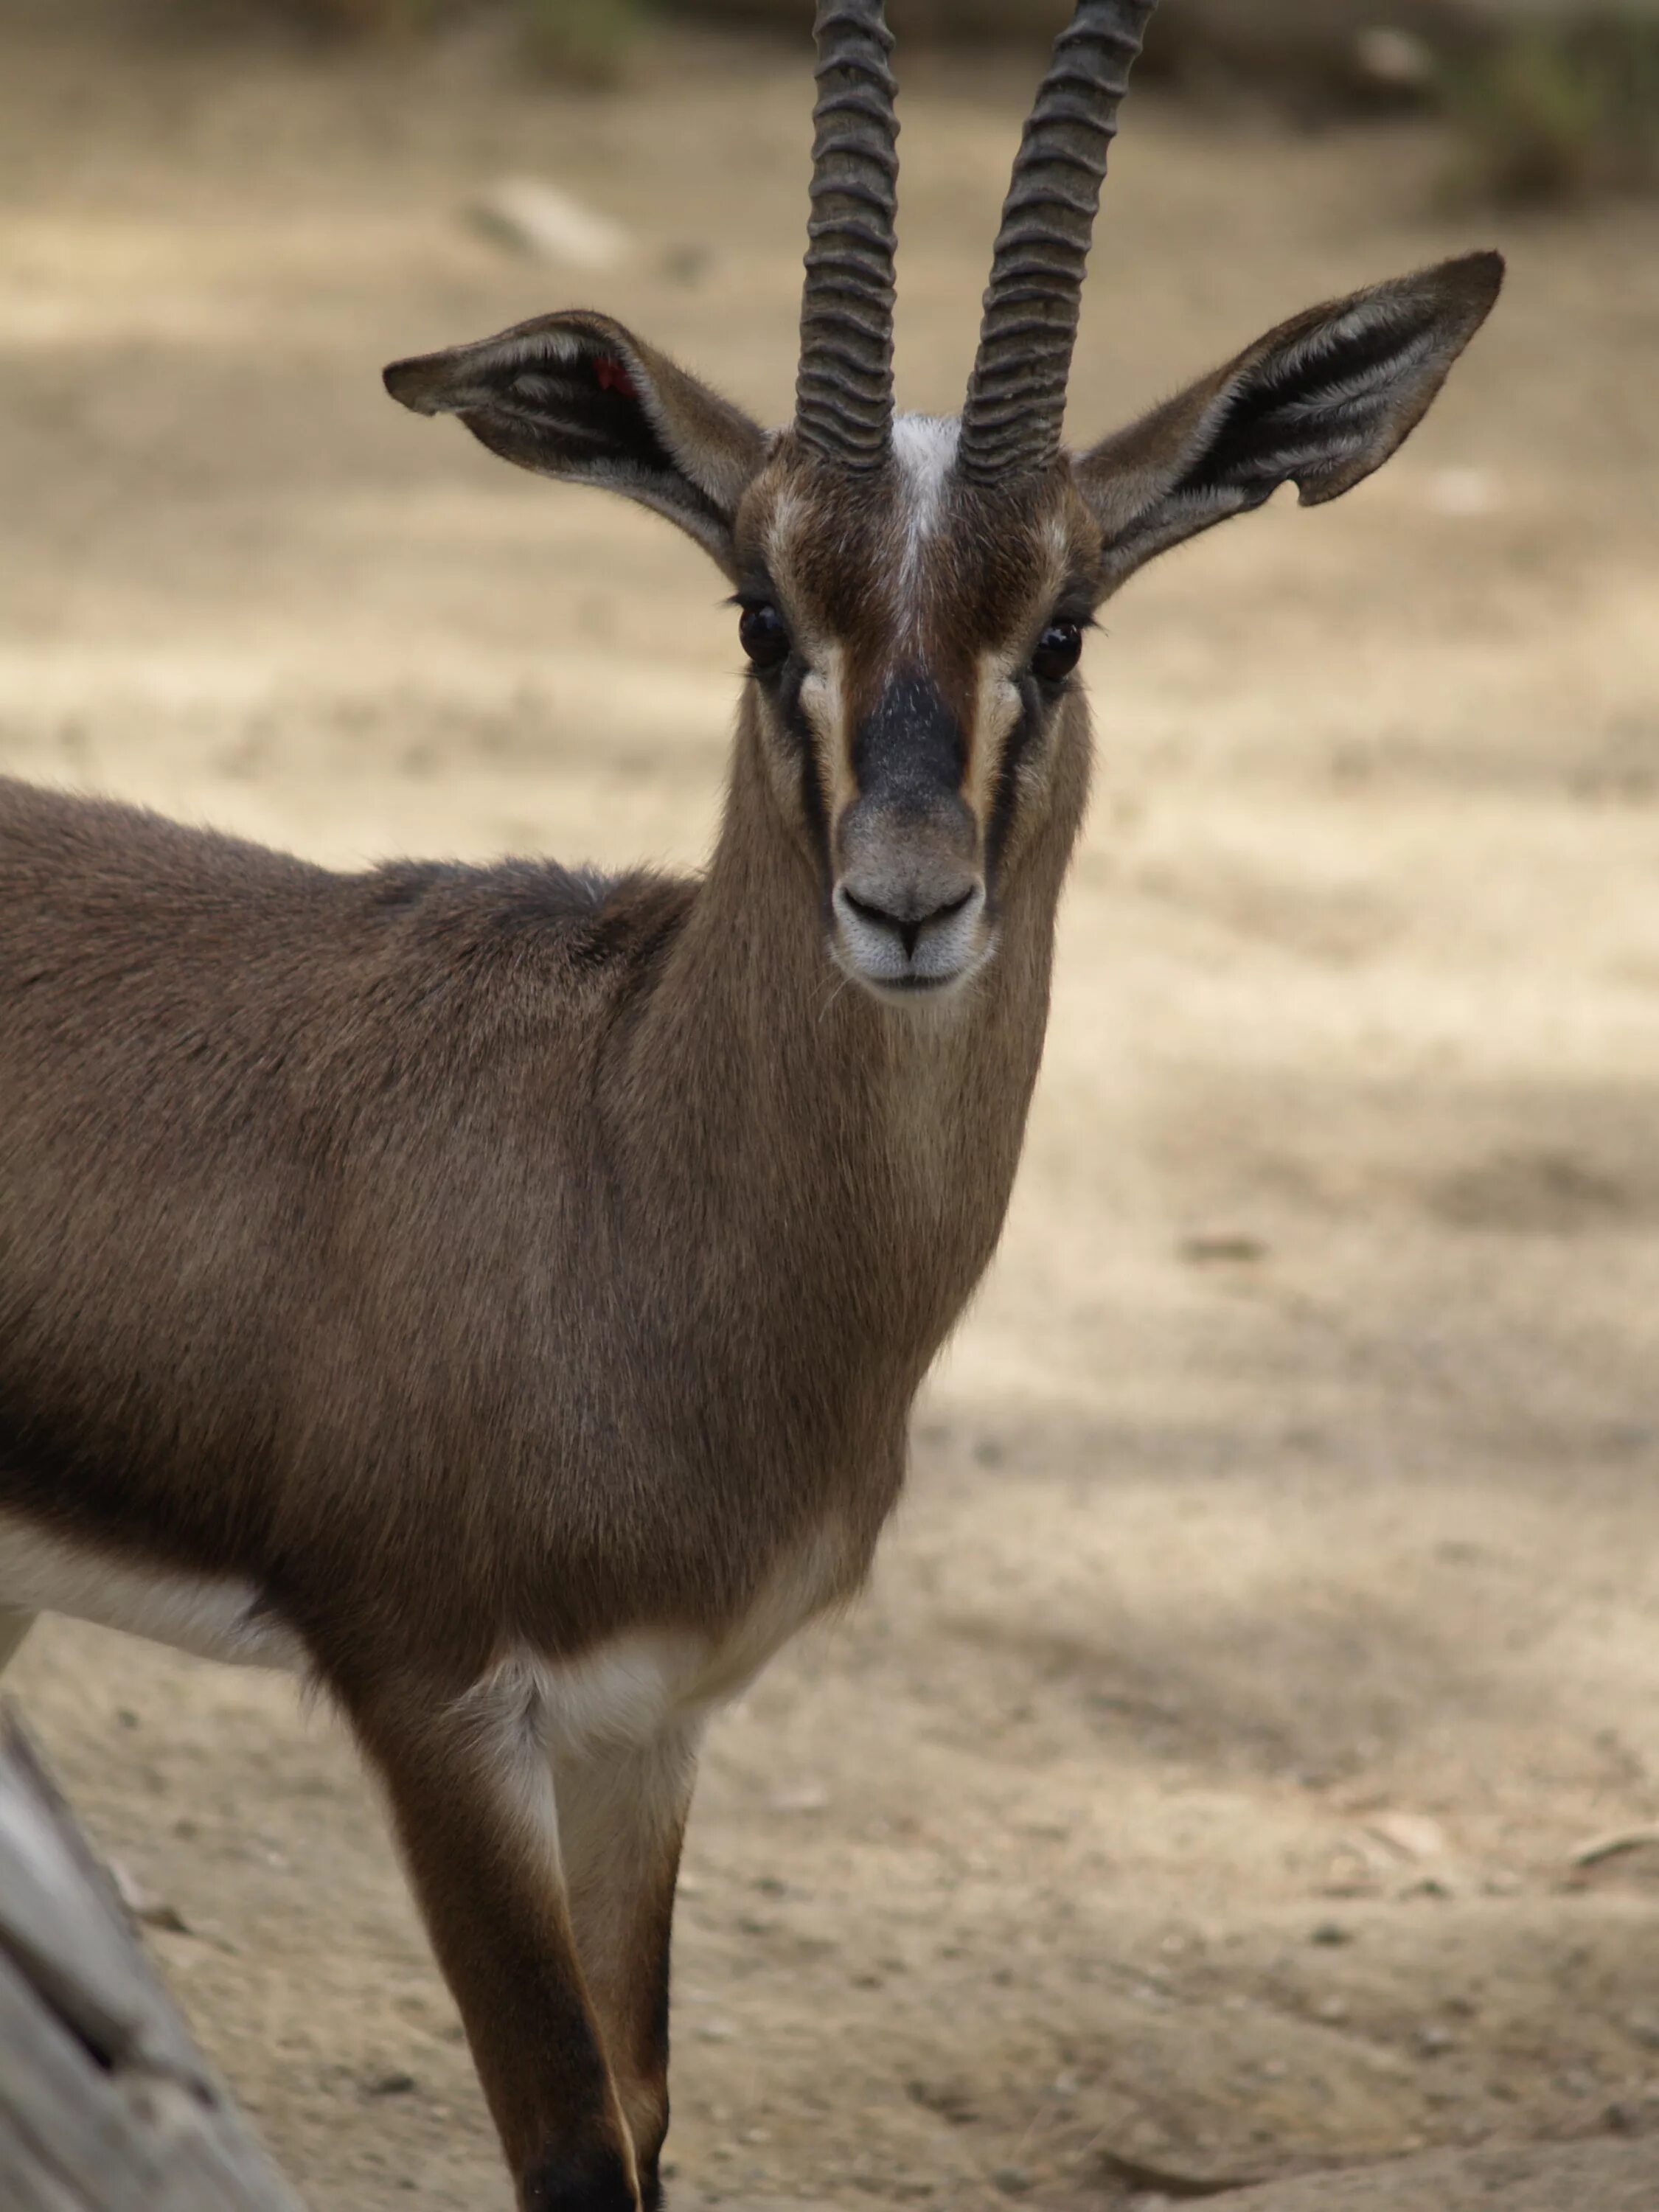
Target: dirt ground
(1274, 1613)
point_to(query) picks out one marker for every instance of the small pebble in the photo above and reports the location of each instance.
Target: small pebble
(1205, 1250)
(1395, 60)
(800, 1797)
(394, 2082)
(1465, 492)
(538, 219)
(1331, 1932)
(685, 264)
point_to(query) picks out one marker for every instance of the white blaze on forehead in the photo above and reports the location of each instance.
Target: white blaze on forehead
(790, 517)
(924, 449)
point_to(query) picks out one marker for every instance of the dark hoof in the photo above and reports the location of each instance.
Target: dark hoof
(581, 2181)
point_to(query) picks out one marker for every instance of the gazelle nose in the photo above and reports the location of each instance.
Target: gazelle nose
(908, 927)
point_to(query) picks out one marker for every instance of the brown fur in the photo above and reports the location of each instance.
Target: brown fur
(332, 1095)
(410, 1244)
(484, 1265)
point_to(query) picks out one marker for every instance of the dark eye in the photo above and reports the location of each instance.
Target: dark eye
(761, 634)
(1057, 650)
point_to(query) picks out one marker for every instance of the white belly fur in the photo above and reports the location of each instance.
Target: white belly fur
(625, 1693)
(211, 1617)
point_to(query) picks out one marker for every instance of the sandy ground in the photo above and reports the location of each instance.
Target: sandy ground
(1275, 1610)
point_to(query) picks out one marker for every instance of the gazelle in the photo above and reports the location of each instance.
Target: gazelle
(500, 1292)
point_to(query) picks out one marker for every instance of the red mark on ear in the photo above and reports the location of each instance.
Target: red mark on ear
(613, 377)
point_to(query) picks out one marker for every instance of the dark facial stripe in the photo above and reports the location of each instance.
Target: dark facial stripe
(911, 748)
(813, 806)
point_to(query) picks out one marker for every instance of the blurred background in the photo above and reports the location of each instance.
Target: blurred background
(1247, 1759)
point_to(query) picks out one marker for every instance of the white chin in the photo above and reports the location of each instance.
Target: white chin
(914, 990)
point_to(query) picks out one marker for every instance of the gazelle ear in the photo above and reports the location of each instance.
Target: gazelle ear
(577, 396)
(1319, 403)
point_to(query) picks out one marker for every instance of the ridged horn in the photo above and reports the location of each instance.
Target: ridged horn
(1011, 418)
(844, 386)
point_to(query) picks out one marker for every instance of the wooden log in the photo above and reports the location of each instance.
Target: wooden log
(106, 2103)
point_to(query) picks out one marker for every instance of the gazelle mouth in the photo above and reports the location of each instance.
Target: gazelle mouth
(911, 993)
(909, 987)
(896, 956)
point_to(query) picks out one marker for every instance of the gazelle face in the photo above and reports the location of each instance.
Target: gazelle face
(913, 642)
(913, 591)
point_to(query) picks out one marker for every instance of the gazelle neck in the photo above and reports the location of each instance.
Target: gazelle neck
(859, 1153)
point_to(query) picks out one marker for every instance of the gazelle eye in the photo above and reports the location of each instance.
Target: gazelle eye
(1057, 652)
(763, 636)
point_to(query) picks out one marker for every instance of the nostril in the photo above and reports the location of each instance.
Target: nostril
(866, 911)
(905, 928)
(881, 917)
(951, 906)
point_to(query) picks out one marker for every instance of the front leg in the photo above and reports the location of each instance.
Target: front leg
(622, 1819)
(472, 1791)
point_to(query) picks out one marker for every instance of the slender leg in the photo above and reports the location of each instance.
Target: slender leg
(472, 1799)
(622, 1817)
(14, 1627)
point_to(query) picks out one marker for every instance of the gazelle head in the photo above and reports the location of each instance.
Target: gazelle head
(914, 589)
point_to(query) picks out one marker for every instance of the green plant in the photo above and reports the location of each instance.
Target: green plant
(382, 17)
(588, 40)
(1554, 112)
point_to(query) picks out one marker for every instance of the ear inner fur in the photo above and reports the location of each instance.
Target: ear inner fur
(578, 397)
(1320, 402)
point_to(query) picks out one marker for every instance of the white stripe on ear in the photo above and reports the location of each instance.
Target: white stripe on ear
(1319, 403)
(1372, 381)
(579, 398)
